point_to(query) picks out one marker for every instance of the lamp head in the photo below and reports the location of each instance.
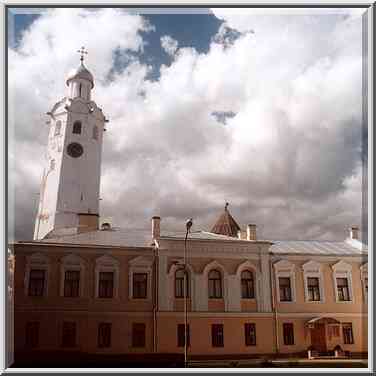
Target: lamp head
(189, 224)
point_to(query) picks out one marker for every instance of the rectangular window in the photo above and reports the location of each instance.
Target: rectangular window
(104, 334)
(250, 334)
(69, 334)
(217, 335)
(181, 336)
(72, 283)
(284, 289)
(138, 335)
(32, 334)
(36, 282)
(106, 285)
(343, 289)
(348, 337)
(313, 288)
(288, 333)
(140, 282)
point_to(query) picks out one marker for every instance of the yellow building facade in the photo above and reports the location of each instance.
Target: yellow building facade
(115, 291)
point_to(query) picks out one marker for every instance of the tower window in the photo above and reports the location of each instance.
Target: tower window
(57, 128)
(77, 126)
(80, 89)
(95, 132)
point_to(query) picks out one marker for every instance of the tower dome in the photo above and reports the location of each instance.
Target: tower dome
(81, 73)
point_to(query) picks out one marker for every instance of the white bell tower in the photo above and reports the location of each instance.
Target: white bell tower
(69, 194)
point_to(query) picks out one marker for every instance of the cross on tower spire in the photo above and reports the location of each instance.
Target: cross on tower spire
(82, 52)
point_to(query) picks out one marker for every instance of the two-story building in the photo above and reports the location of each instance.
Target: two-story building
(114, 291)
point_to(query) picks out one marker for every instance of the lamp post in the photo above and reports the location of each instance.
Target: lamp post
(188, 226)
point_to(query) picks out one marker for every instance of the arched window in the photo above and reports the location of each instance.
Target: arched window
(179, 284)
(95, 132)
(215, 284)
(77, 127)
(247, 284)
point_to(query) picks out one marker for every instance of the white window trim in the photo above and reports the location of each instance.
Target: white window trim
(74, 263)
(363, 276)
(107, 263)
(224, 274)
(342, 270)
(247, 265)
(141, 264)
(284, 268)
(313, 269)
(36, 261)
(171, 275)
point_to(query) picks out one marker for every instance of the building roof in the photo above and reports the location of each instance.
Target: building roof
(198, 235)
(81, 72)
(116, 237)
(325, 248)
(226, 224)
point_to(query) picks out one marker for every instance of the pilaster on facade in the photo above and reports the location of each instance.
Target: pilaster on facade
(164, 303)
(266, 301)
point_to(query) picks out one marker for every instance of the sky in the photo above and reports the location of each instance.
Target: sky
(261, 108)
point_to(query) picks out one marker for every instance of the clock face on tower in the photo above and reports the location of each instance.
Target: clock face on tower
(75, 149)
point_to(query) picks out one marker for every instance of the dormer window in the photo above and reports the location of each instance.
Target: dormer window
(77, 127)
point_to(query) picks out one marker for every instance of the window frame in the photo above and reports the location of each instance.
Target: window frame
(37, 261)
(107, 263)
(181, 281)
(348, 333)
(364, 278)
(74, 343)
(141, 264)
(343, 270)
(313, 269)
(285, 269)
(77, 127)
(217, 335)
(249, 339)
(180, 328)
(72, 262)
(287, 334)
(144, 288)
(141, 343)
(213, 294)
(104, 341)
(250, 294)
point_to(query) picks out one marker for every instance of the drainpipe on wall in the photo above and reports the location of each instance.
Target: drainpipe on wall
(274, 306)
(155, 300)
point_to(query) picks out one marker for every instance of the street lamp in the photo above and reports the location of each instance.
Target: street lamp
(188, 226)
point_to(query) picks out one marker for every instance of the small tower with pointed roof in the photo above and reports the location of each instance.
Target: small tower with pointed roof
(69, 194)
(226, 224)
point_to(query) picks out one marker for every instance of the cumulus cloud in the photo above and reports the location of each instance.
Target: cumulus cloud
(170, 45)
(288, 157)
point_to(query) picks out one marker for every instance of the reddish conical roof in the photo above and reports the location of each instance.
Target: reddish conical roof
(226, 224)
